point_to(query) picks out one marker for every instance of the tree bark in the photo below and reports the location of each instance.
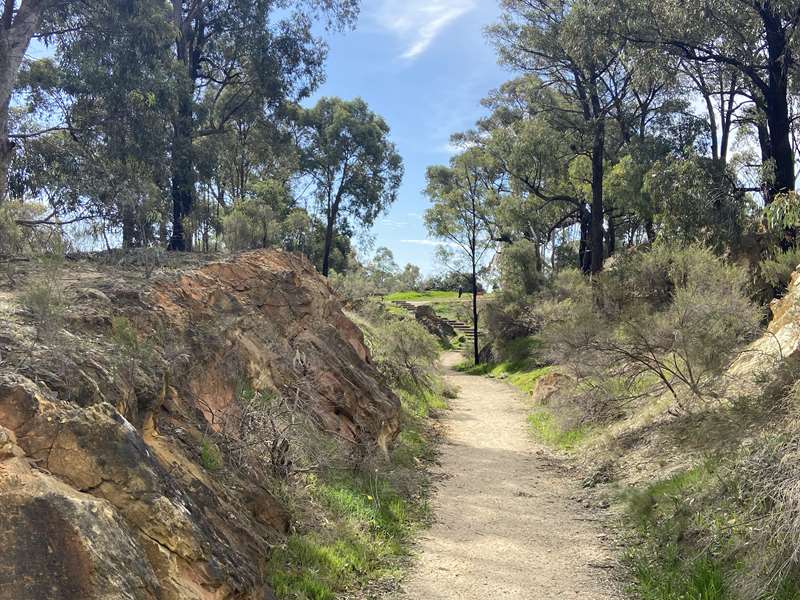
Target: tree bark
(475, 347)
(6, 152)
(584, 262)
(182, 156)
(326, 256)
(16, 32)
(780, 143)
(598, 152)
(776, 99)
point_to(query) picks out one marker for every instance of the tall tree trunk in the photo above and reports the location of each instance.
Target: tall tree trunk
(182, 167)
(611, 242)
(650, 230)
(6, 153)
(777, 101)
(475, 348)
(584, 255)
(128, 228)
(16, 31)
(598, 153)
(780, 138)
(326, 256)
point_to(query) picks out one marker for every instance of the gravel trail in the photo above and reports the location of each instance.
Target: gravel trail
(506, 526)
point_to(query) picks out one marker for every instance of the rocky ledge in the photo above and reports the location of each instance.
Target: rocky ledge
(104, 410)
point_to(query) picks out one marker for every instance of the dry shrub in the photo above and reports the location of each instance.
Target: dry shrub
(767, 475)
(678, 315)
(276, 434)
(405, 353)
(43, 297)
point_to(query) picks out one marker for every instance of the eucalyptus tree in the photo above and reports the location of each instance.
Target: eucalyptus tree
(19, 22)
(568, 46)
(231, 55)
(352, 165)
(537, 149)
(464, 199)
(90, 124)
(752, 44)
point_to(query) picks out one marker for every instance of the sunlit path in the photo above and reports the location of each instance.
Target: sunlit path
(505, 524)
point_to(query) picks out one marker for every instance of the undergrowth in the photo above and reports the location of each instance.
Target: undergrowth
(426, 295)
(359, 522)
(692, 537)
(545, 427)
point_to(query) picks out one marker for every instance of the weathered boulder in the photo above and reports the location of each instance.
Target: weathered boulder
(763, 363)
(427, 317)
(102, 492)
(547, 386)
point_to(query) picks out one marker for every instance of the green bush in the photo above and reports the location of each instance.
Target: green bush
(777, 270)
(679, 314)
(210, 456)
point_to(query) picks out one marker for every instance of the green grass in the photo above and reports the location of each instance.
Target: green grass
(682, 550)
(420, 296)
(545, 426)
(369, 519)
(210, 456)
(521, 369)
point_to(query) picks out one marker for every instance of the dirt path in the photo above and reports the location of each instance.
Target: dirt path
(505, 524)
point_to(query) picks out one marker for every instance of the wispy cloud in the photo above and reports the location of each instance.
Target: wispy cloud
(419, 22)
(393, 224)
(427, 243)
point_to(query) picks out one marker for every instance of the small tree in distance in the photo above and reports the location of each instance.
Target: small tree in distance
(354, 168)
(463, 196)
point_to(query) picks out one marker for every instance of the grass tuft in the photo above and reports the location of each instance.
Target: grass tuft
(420, 296)
(544, 425)
(370, 517)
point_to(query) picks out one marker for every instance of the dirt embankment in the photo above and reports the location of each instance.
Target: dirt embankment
(111, 380)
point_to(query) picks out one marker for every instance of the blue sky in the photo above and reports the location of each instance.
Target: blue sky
(424, 65)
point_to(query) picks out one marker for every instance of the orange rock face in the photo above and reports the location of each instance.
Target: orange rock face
(102, 492)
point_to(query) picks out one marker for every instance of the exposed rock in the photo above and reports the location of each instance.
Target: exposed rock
(485, 354)
(547, 386)
(101, 489)
(427, 317)
(760, 365)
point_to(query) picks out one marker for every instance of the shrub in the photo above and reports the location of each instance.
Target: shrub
(405, 353)
(777, 270)
(16, 239)
(43, 298)
(354, 287)
(677, 313)
(210, 456)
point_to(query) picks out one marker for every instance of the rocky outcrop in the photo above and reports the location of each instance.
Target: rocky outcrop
(103, 491)
(768, 360)
(427, 317)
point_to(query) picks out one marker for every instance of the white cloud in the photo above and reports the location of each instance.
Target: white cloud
(417, 23)
(428, 243)
(392, 224)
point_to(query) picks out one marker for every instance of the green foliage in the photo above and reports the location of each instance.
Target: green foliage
(370, 518)
(665, 514)
(355, 169)
(784, 211)
(210, 456)
(777, 270)
(405, 353)
(545, 427)
(700, 203)
(677, 313)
